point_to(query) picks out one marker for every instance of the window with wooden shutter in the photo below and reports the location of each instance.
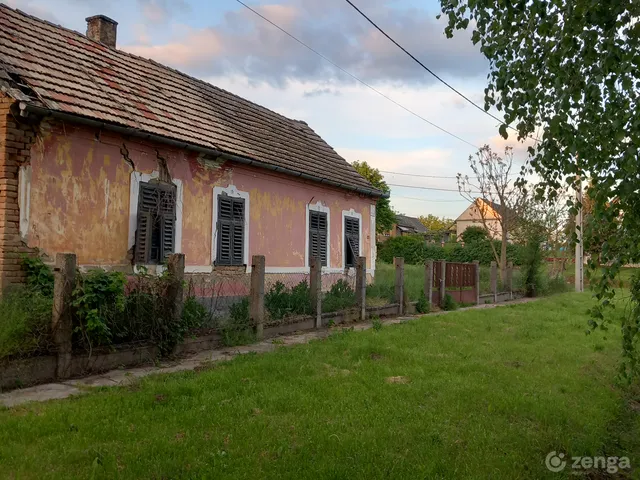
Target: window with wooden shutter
(352, 240)
(156, 224)
(230, 228)
(318, 236)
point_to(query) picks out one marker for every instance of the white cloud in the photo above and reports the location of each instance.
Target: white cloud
(159, 11)
(35, 8)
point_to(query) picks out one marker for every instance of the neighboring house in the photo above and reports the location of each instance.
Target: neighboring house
(413, 226)
(124, 161)
(408, 226)
(472, 216)
(403, 226)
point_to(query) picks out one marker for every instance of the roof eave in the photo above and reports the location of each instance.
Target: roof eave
(26, 108)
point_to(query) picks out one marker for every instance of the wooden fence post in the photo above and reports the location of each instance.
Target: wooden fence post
(510, 279)
(476, 263)
(175, 289)
(428, 281)
(399, 290)
(494, 281)
(315, 285)
(64, 275)
(442, 288)
(256, 306)
(361, 286)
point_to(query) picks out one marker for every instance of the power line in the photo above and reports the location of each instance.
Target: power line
(356, 78)
(428, 200)
(428, 188)
(425, 67)
(430, 176)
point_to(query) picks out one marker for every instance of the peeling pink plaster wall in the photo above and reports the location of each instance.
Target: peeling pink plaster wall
(80, 200)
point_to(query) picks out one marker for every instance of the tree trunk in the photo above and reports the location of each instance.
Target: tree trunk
(503, 256)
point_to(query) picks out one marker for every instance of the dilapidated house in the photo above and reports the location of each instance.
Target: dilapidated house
(123, 161)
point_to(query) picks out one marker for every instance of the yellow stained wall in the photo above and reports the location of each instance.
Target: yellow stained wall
(80, 201)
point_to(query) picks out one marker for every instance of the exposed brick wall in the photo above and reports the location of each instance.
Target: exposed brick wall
(15, 148)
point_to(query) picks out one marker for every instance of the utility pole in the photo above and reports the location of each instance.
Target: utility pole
(579, 243)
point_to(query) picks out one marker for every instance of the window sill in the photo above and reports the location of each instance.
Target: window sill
(230, 269)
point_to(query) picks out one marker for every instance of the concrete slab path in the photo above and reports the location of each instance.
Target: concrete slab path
(120, 377)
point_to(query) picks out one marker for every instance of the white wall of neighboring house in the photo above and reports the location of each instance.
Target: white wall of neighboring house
(471, 217)
(493, 225)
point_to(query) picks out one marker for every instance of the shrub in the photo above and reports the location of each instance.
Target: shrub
(25, 322)
(194, 315)
(339, 297)
(474, 234)
(237, 329)
(416, 251)
(449, 303)
(109, 311)
(98, 300)
(39, 276)
(552, 285)
(423, 305)
(279, 301)
(532, 264)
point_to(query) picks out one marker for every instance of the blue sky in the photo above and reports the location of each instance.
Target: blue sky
(224, 43)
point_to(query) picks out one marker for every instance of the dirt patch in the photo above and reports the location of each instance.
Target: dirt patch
(398, 379)
(376, 356)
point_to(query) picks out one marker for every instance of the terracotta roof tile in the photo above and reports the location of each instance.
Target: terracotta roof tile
(70, 73)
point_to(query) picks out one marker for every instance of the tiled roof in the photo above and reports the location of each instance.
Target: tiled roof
(411, 222)
(69, 73)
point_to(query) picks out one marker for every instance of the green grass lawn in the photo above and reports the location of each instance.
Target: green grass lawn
(471, 394)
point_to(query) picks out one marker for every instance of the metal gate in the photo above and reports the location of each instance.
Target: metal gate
(459, 282)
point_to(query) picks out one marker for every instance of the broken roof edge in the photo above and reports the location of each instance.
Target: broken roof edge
(134, 132)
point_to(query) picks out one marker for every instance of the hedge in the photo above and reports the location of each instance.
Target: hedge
(415, 251)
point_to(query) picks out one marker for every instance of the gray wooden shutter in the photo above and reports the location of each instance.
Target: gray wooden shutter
(156, 205)
(143, 237)
(352, 237)
(147, 200)
(230, 245)
(238, 232)
(318, 236)
(168, 225)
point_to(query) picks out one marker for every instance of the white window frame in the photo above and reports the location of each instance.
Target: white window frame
(319, 206)
(353, 214)
(134, 195)
(372, 240)
(231, 191)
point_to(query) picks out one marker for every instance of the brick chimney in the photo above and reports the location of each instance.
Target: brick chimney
(102, 29)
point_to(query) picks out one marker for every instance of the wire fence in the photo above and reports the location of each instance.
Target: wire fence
(286, 297)
(220, 301)
(338, 291)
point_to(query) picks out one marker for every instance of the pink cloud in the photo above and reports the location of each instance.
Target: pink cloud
(196, 47)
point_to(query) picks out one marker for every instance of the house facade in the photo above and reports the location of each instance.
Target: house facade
(123, 161)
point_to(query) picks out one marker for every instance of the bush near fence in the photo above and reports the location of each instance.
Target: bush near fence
(416, 251)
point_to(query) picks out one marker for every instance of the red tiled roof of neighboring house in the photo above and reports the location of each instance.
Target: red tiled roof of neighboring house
(63, 71)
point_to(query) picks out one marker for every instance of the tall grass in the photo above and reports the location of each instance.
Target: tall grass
(25, 323)
(383, 286)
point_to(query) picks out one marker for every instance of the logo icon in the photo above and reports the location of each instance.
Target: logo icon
(555, 461)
